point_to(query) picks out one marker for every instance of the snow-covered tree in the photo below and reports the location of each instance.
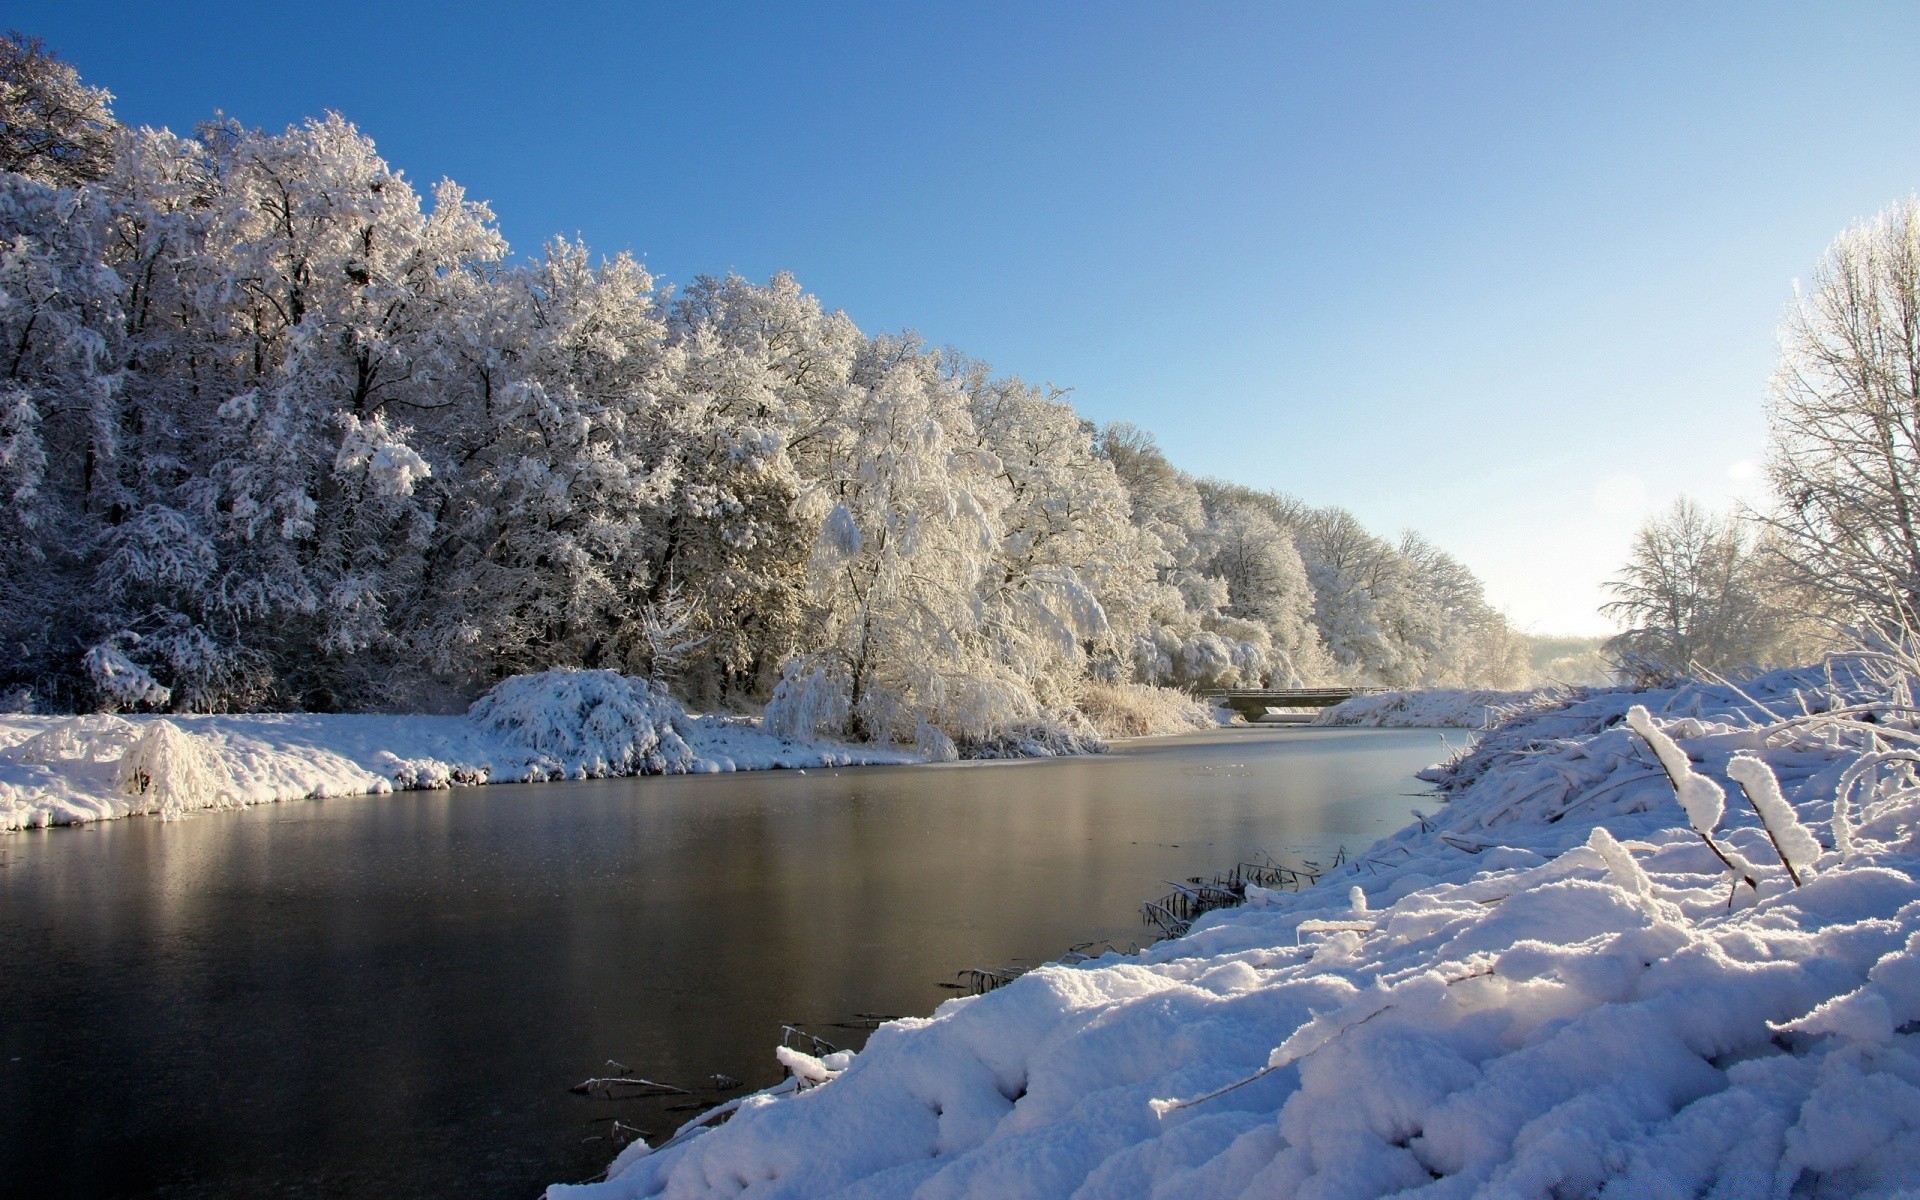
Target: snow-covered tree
(1699, 592)
(1248, 544)
(278, 430)
(1844, 420)
(764, 377)
(53, 128)
(565, 459)
(906, 530)
(60, 326)
(1073, 578)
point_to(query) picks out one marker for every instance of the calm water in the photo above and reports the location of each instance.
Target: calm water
(389, 996)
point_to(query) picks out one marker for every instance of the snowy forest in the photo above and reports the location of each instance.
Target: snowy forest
(281, 431)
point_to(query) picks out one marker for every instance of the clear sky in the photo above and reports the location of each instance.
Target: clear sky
(1505, 274)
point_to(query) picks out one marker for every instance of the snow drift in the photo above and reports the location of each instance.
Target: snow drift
(1556, 986)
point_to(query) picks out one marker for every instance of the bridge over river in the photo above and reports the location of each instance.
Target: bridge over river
(1254, 705)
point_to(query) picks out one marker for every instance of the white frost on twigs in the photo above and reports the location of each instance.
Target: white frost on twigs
(1704, 801)
(1798, 848)
(1620, 865)
(120, 679)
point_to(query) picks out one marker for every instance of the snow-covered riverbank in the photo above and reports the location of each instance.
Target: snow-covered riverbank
(559, 724)
(1440, 708)
(1552, 986)
(564, 725)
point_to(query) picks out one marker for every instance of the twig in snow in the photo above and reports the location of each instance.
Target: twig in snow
(820, 1045)
(1790, 838)
(647, 1087)
(1700, 797)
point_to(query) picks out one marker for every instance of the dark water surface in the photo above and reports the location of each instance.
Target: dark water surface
(389, 996)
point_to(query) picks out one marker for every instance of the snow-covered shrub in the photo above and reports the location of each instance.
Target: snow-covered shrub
(933, 744)
(1043, 735)
(121, 681)
(1118, 710)
(175, 770)
(577, 724)
(424, 774)
(93, 738)
(812, 700)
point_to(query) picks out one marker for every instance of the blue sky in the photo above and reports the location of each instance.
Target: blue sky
(1505, 274)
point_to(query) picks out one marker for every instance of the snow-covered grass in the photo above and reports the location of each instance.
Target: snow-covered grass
(1452, 708)
(555, 725)
(1558, 984)
(1122, 710)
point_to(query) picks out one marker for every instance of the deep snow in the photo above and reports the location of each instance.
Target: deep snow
(1553, 986)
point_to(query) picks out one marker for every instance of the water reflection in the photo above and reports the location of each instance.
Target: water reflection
(390, 995)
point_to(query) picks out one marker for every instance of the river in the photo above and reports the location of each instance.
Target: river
(389, 996)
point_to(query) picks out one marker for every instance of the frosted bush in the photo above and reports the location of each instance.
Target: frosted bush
(933, 743)
(88, 739)
(810, 701)
(1045, 735)
(588, 724)
(120, 680)
(174, 770)
(977, 704)
(426, 774)
(1141, 710)
(886, 714)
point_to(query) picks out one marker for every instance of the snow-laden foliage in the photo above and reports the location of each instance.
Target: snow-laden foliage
(53, 128)
(811, 700)
(1553, 987)
(173, 771)
(587, 724)
(88, 739)
(1119, 710)
(281, 430)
